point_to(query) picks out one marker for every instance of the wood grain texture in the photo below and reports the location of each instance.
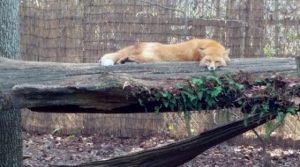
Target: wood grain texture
(90, 87)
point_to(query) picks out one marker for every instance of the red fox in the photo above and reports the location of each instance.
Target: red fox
(207, 51)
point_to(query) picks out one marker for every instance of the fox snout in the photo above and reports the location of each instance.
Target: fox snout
(211, 65)
(211, 68)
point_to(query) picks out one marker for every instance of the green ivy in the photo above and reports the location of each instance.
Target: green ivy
(226, 91)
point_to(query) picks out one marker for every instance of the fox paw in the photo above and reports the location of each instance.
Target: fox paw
(106, 62)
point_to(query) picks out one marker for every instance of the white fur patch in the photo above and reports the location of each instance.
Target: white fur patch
(211, 68)
(107, 62)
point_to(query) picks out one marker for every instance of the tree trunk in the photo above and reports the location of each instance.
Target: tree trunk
(11, 136)
(10, 118)
(254, 29)
(277, 28)
(9, 30)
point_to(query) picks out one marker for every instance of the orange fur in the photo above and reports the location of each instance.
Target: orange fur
(207, 51)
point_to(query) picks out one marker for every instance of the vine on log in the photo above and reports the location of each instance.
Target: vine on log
(271, 94)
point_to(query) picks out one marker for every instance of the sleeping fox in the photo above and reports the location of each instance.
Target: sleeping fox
(207, 52)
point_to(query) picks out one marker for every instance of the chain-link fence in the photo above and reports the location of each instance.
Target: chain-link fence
(84, 30)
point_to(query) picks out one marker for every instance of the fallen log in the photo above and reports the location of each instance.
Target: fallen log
(177, 153)
(93, 88)
(46, 86)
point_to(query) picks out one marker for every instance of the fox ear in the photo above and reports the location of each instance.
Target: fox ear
(202, 53)
(226, 54)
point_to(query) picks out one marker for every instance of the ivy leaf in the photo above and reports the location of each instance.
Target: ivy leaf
(258, 81)
(166, 103)
(166, 94)
(210, 102)
(265, 107)
(179, 86)
(141, 102)
(197, 82)
(239, 86)
(172, 103)
(214, 78)
(291, 110)
(200, 95)
(157, 109)
(183, 98)
(195, 104)
(157, 96)
(190, 95)
(180, 106)
(280, 117)
(216, 91)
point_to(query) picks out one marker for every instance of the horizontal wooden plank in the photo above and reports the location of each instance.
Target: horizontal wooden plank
(95, 88)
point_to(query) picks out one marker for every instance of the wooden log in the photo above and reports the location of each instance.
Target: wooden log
(91, 87)
(297, 60)
(46, 86)
(177, 153)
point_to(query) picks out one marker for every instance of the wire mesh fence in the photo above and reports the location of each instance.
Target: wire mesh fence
(84, 30)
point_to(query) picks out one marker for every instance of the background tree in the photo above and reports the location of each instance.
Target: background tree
(9, 29)
(10, 120)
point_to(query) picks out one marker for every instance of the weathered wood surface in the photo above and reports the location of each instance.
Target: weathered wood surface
(180, 152)
(93, 88)
(45, 86)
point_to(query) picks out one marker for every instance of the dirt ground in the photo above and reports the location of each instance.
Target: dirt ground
(43, 150)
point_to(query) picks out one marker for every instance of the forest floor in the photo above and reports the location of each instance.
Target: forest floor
(45, 150)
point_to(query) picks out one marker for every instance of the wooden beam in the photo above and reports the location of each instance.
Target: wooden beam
(46, 86)
(297, 60)
(177, 153)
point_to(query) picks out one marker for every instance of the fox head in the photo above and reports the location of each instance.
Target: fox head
(214, 60)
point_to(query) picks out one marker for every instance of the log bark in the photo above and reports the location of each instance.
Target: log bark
(91, 87)
(94, 88)
(178, 153)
